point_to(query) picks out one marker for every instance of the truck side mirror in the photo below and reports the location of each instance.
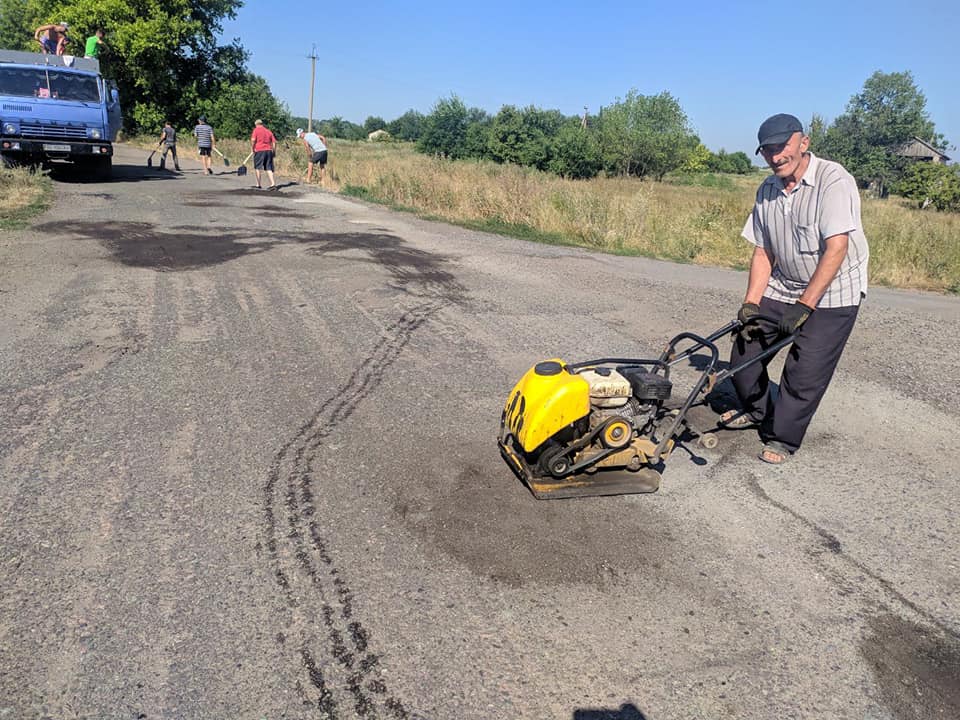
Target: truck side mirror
(114, 96)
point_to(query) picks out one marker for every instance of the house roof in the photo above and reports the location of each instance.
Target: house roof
(934, 151)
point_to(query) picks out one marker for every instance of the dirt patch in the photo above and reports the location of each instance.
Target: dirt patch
(487, 520)
(918, 671)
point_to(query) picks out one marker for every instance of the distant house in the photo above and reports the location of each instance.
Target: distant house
(380, 135)
(921, 150)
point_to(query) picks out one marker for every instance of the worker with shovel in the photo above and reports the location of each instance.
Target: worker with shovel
(168, 139)
(316, 145)
(808, 275)
(263, 144)
(206, 143)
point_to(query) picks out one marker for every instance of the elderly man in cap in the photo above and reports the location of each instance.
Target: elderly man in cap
(808, 275)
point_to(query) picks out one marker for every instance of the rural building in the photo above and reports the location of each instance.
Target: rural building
(918, 149)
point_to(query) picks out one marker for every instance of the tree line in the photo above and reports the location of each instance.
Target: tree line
(639, 135)
(650, 136)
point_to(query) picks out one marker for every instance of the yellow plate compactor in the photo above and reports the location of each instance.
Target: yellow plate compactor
(605, 427)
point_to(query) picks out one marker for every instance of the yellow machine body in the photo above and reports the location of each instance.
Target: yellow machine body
(547, 399)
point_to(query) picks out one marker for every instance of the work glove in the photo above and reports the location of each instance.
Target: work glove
(793, 317)
(748, 311)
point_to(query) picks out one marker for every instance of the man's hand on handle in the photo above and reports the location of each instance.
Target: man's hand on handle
(793, 317)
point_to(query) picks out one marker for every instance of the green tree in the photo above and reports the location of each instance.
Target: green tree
(374, 123)
(930, 184)
(476, 144)
(887, 113)
(408, 126)
(575, 152)
(523, 137)
(15, 30)
(817, 132)
(698, 160)
(645, 135)
(445, 129)
(724, 162)
(337, 127)
(233, 107)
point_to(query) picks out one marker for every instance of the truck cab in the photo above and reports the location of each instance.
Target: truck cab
(57, 108)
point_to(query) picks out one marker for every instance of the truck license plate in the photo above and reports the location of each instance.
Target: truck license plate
(56, 148)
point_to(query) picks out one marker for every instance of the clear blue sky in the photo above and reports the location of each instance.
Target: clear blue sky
(729, 64)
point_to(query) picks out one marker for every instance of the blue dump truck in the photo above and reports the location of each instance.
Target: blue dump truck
(57, 108)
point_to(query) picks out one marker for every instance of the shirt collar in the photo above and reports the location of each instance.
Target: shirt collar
(810, 176)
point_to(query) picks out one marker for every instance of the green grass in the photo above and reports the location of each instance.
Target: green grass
(24, 194)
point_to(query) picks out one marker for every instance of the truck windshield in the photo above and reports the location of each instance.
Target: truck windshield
(48, 83)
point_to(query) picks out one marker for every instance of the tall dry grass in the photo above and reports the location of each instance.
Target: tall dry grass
(695, 220)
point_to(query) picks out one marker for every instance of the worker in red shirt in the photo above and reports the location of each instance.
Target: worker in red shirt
(264, 145)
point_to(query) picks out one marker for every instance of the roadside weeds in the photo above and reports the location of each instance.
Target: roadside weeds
(24, 194)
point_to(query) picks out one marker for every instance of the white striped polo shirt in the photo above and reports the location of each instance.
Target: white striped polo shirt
(794, 225)
(204, 135)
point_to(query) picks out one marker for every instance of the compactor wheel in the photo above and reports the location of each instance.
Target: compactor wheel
(553, 461)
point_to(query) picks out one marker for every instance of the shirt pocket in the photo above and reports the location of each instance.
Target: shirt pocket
(807, 239)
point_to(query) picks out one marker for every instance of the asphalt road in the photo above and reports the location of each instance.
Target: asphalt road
(249, 470)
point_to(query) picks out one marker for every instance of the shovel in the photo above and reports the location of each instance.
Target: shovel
(150, 159)
(226, 163)
(242, 170)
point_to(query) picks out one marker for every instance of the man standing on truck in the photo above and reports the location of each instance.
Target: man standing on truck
(52, 38)
(205, 143)
(168, 138)
(92, 48)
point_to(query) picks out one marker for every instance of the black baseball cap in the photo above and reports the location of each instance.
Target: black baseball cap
(777, 129)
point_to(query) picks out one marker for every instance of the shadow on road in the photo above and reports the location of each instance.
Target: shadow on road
(71, 173)
(628, 711)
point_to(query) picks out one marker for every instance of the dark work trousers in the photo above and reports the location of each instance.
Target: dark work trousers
(173, 151)
(807, 372)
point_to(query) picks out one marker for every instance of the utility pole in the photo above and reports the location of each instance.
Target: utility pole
(313, 72)
(583, 120)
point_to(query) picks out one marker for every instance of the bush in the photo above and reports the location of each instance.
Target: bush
(576, 152)
(929, 184)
